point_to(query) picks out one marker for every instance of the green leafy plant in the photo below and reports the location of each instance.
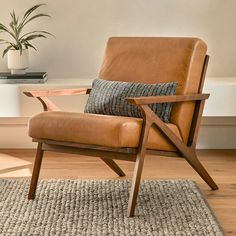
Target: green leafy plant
(21, 40)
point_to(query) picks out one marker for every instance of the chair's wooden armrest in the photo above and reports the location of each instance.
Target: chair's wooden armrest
(164, 99)
(58, 92)
(48, 105)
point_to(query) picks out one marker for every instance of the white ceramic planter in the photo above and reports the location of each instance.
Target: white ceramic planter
(18, 62)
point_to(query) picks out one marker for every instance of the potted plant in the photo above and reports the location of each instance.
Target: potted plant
(20, 41)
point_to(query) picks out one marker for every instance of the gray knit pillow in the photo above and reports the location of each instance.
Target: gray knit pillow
(108, 98)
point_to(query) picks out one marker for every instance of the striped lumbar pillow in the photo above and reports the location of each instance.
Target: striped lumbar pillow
(108, 98)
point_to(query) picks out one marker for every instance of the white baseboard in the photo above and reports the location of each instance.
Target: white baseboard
(15, 136)
(215, 133)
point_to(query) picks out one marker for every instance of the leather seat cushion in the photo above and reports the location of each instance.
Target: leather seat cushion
(102, 130)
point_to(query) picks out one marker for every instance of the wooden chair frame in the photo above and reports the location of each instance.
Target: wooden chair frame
(129, 154)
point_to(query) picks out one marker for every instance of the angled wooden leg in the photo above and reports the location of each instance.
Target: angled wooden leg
(188, 152)
(135, 184)
(36, 170)
(138, 169)
(114, 166)
(199, 168)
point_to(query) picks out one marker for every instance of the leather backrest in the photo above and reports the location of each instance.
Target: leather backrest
(155, 60)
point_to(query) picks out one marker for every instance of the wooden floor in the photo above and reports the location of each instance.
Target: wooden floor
(220, 164)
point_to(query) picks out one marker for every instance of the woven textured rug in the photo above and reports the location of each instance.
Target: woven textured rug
(89, 207)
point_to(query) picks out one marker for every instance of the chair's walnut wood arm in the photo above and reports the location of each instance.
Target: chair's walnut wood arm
(48, 105)
(164, 99)
(59, 92)
(148, 114)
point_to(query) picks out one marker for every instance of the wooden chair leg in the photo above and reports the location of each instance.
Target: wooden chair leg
(135, 184)
(36, 170)
(114, 166)
(138, 167)
(199, 168)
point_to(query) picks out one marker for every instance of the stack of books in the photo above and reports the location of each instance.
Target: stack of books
(28, 78)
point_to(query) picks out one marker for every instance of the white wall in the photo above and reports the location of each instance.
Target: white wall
(83, 26)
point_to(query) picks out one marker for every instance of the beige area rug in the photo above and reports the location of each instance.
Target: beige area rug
(98, 207)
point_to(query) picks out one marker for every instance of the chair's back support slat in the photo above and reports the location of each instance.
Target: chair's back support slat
(193, 135)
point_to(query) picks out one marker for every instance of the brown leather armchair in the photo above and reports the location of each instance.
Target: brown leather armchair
(137, 59)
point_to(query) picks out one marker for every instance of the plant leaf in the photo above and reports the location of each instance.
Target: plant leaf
(34, 17)
(26, 15)
(5, 29)
(14, 24)
(13, 27)
(34, 36)
(27, 44)
(44, 32)
(14, 19)
(2, 41)
(28, 12)
(20, 48)
(6, 50)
